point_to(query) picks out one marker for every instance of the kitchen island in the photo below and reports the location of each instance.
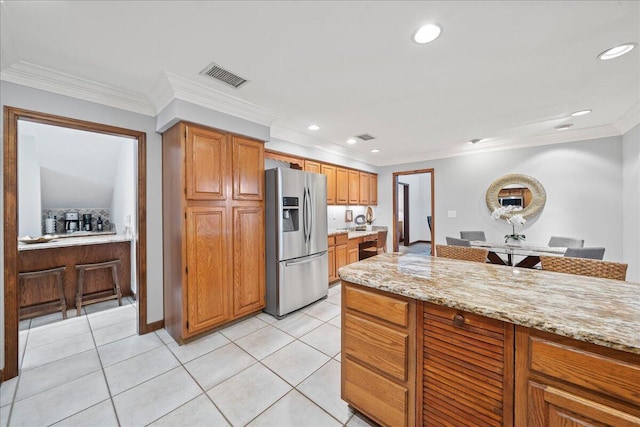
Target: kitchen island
(68, 252)
(434, 341)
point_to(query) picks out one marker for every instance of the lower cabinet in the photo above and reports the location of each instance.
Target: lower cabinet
(337, 254)
(249, 291)
(564, 382)
(378, 354)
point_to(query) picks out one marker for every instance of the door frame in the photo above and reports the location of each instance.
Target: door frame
(406, 223)
(395, 183)
(10, 209)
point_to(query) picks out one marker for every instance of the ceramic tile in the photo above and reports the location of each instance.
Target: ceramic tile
(198, 412)
(50, 319)
(4, 415)
(294, 410)
(264, 341)
(326, 338)
(295, 362)
(358, 420)
(45, 377)
(24, 325)
(323, 387)
(111, 317)
(335, 289)
(197, 348)
(298, 324)
(104, 305)
(323, 311)
(244, 396)
(56, 332)
(115, 332)
(7, 391)
(60, 402)
(155, 398)
(336, 321)
(219, 365)
(243, 328)
(57, 350)
(335, 299)
(22, 345)
(266, 317)
(338, 357)
(164, 336)
(138, 369)
(100, 415)
(123, 349)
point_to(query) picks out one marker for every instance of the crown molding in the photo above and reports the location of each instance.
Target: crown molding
(38, 77)
(628, 120)
(172, 86)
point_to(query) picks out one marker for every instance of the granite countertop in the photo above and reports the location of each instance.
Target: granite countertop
(600, 311)
(78, 240)
(354, 234)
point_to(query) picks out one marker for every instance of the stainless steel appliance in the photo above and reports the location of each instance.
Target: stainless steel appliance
(71, 222)
(296, 239)
(86, 222)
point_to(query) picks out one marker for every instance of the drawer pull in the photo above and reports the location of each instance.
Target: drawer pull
(458, 320)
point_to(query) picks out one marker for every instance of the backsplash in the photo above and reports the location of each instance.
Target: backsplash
(336, 216)
(105, 214)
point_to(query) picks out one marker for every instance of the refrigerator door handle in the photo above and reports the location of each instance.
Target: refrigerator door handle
(309, 214)
(304, 260)
(304, 215)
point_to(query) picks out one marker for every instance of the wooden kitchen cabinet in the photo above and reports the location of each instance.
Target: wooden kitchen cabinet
(331, 254)
(330, 172)
(373, 189)
(354, 187)
(337, 254)
(364, 188)
(564, 382)
(312, 166)
(379, 354)
(353, 248)
(213, 234)
(342, 186)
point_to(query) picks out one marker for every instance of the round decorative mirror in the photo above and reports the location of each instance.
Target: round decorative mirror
(517, 190)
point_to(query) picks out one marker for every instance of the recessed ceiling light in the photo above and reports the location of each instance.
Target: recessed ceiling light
(427, 33)
(564, 127)
(375, 150)
(351, 141)
(475, 140)
(614, 52)
(580, 113)
(313, 127)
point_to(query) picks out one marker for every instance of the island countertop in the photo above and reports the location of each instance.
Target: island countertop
(599, 311)
(66, 241)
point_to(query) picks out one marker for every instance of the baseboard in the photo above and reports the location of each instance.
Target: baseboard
(150, 327)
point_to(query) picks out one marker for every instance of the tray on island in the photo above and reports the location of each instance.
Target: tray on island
(30, 240)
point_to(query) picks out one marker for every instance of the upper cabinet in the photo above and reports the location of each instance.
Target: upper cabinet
(342, 186)
(205, 164)
(248, 168)
(373, 189)
(364, 188)
(354, 187)
(330, 172)
(311, 166)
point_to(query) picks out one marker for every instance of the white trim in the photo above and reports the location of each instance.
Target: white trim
(36, 76)
(207, 97)
(628, 120)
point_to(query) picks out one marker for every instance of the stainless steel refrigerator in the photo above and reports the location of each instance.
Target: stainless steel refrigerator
(296, 239)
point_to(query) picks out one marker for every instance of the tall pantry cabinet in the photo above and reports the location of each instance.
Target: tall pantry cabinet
(213, 224)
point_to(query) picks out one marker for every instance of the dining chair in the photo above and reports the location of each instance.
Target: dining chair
(565, 242)
(473, 235)
(585, 267)
(453, 241)
(591, 253)
(462, 253)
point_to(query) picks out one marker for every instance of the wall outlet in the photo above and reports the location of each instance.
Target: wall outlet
(451, 214)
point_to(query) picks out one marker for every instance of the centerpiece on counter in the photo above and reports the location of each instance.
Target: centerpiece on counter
(369, 218)
(511, 215)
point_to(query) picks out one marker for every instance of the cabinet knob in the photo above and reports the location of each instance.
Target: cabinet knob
(458, 320)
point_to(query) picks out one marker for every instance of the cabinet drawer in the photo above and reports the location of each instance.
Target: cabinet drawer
(371, 238)
(384, 400)
(331, 241)
(353, 243)
(376, 345)
(341, 239)
(592, 371)
(386, 308)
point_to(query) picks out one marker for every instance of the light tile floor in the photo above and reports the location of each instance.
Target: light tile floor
(94, 370)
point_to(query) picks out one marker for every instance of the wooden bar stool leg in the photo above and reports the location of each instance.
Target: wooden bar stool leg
(116, 283)
(63, 303)
(79, 292)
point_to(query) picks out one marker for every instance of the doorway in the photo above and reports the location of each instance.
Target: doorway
(413, 209)
(12, 117)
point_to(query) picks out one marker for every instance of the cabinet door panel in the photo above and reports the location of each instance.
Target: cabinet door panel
(330, 172)
(311, 166)
(342, 186)
(332, 263)
(206, 164)
(354, 187)
(364, 188)
(207, 261)
(373, 189)
(341, 256)
(248, 256)
(248, 169)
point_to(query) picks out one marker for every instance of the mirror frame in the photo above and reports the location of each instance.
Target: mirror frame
(538, 195)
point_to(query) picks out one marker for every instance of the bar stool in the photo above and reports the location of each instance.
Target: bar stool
(47, 307)
(92, 299)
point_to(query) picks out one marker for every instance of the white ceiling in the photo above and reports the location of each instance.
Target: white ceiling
(506, 71)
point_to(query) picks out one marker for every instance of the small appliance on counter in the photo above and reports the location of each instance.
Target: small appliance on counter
(71, 222)
(86, 222)
(99, 224)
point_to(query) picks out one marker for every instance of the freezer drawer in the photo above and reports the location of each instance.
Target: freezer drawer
(300, 282)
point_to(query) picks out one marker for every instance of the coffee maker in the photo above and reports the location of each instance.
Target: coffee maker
(86, 222)
(71, 222)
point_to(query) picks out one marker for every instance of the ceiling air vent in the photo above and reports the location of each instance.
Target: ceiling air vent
(220, 74)
(366, 137)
